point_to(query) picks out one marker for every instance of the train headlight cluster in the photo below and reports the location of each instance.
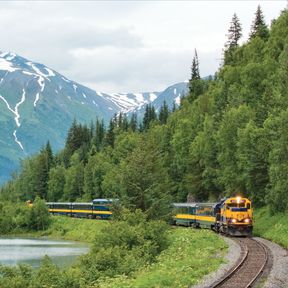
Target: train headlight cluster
(233, 220)
(247, 220)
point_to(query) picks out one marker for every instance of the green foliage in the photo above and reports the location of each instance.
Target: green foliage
(228, 136)
(259, 27)
(234, 35)
(174, 266)
(124, 247)
(271, 226)
(38, 216)
(56, 183)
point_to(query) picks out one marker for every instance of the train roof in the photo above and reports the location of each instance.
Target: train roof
(193, 204)
(69, 203)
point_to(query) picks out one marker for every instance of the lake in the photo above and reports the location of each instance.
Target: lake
(30, 251)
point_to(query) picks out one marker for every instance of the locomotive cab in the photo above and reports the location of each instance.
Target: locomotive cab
(236, 217)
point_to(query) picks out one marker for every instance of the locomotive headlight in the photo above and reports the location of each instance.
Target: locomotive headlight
(247, 220)
(233, 220)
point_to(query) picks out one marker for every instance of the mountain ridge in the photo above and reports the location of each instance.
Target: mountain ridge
(38, 104)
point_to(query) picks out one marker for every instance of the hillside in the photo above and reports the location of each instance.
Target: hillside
(38, 104)
(228, 136)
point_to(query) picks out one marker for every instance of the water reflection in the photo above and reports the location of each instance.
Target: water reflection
(30, 251)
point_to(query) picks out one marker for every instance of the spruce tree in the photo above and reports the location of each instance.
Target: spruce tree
(49, 154)
(195, 83)
(125, 123)
(99, 134)
(164, 113)
(149, 116)
(110, 135)
(133, 122)
(259, 27)
(195, 73)
(234, 33)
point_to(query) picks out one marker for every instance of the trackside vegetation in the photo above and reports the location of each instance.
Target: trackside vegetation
(191, 255)
(19, 218)
(127, 252)
(271, 227)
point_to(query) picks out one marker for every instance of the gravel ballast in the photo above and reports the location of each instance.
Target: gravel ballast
(278, 276)
(278, 265)
(231, 259)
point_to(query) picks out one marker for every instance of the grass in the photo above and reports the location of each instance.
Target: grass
(192, 254)
(271, 227)
(76, 229)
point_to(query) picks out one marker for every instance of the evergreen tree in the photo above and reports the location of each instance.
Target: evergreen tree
(110, 135)
(234, 33)
(133, 122)
(174, 107)
(149, 116)
(195, 73)
(125, 124)
(99, 134)
(195, 83)
(49, 153)
(164, 113)
(259, 27)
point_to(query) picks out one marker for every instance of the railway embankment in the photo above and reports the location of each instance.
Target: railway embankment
(271, 227)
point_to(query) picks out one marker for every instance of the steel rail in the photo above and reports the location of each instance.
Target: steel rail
(242, 262)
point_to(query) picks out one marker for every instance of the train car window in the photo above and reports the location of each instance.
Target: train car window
(238, 209)
(248, 205)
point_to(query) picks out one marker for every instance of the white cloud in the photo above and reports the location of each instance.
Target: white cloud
(120, 46)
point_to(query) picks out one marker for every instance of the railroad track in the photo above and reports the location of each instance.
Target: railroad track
(254, 257)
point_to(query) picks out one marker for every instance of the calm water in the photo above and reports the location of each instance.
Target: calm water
(30, 251)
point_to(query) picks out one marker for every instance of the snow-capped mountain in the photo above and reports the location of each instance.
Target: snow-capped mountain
(38, 104)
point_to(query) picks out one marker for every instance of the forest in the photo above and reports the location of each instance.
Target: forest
(228, 136)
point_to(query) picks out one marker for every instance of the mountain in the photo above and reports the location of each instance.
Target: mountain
(170, 95)
(38, 104)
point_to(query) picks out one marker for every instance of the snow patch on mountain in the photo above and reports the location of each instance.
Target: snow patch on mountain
(16, 108)
(6, 65)
(50, 72)
(153, 97)
(15, 111)
(65, 79)
(17, 141)
(41, 83)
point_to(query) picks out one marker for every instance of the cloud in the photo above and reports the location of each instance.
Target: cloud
(121, 46)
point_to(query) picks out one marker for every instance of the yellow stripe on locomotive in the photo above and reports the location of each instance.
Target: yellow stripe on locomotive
(231, 216)
(234, 216)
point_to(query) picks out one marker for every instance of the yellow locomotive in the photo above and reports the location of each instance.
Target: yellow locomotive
(232, 216)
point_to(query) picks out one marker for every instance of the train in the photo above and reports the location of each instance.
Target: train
(231, 216)
(97, 209)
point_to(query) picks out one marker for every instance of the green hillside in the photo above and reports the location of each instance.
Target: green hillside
(228, 136)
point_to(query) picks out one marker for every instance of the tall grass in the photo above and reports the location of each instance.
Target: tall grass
(271, 227)
(192, 254)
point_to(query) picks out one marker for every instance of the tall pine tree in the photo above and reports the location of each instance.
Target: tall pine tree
(234, 32)
(195, 83)
(259, 27)
(234, 35)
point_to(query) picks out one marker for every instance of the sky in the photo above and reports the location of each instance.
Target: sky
(125, 46)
